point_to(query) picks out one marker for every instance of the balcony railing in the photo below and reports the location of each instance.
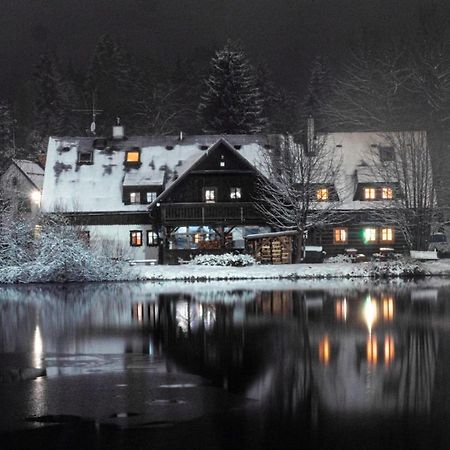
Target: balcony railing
(204, 213)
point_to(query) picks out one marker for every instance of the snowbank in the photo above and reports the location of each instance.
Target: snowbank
(401, 269)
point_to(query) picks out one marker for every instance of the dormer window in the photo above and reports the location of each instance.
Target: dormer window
(135, 197)
(133, 157)
(387, 193)
(322, 194)
(151, 197)
(386, 154)
(369, 193)
(85, 158)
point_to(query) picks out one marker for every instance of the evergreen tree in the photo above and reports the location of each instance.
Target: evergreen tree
(54, 100)
(232, 101)
(317, 93)
(7, 124)
(113, 84)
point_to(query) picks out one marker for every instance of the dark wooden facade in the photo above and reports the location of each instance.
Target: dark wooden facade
(216, 192)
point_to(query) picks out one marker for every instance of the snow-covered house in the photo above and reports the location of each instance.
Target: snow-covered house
(169, 197)
(108, 186)
(21, 188)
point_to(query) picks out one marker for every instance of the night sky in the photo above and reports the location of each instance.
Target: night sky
(285, 33)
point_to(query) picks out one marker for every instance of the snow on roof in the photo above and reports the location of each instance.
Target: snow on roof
(33, 171)
(358, 155)
(98, 187)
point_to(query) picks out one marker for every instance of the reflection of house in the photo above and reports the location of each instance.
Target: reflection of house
(167, 198)
(21, 187)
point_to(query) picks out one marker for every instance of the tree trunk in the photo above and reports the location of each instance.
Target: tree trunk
(298, 247)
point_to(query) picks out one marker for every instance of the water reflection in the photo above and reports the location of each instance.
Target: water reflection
(305, 355)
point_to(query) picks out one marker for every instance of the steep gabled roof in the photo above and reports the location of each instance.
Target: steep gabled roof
(33, 171)
(251, 160)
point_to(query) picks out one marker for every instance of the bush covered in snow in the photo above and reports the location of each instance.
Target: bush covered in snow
(338, 259)
(400, 268)
(51, 252)
(227, 259)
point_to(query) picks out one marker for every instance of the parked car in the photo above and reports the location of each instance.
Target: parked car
(439, 242)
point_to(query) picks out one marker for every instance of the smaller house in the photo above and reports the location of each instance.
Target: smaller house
(21, 188)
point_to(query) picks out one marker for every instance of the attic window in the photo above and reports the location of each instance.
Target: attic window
(133, 156)
(100, 144)
(369, 193)
(339, 146)
(169, 147)
(322, 194)
(386, 154)
(203, 147)
(85, 158)
(237, 147)
(66, 148)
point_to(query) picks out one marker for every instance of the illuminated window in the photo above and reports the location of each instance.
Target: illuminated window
(322, 194)
(235, 193)
(387, 234)
(151, 196)
(340, 235)
(152, 238)
(136, 238)
(135, 197)
(387, 193)
(370, 235)
(209, 194)
(133, 156)
(369, 193)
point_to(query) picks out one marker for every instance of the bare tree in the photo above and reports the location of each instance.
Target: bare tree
(406, 163)
(297, 191)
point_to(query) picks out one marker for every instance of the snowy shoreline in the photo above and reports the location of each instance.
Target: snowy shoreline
(294, 271)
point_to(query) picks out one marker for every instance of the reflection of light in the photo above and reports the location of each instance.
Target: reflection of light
(37, 347)
(341, 309)
(388, 308)
(372, 349)
(389, 349)
(324, 350)
(140, 312)
(36, 197)
(370, 312)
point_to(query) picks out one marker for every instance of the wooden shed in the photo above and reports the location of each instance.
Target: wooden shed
(271, 248)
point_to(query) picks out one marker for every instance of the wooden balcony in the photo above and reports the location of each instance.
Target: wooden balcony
(210, 213)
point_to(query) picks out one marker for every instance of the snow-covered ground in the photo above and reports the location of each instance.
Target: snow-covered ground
(290, 271)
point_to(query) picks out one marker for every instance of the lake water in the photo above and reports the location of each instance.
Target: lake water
(323, 364)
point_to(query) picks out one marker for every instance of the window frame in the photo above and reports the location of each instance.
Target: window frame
(235, 190)
(154, 240)
(392, 230)
(82, 162)
(152, 194)
(369, 190)
(207, 189)
(131, 151)
(320, 197)
(139, 233)
(339, 230)
(376, 237)
(137, 195)
(389, 193)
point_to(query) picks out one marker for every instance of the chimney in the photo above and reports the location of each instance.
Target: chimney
(42, 158)
(118, 131)
(310, 134)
